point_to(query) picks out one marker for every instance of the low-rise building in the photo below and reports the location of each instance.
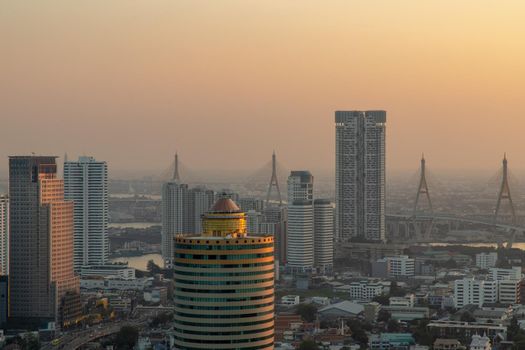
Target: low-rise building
(365, 290)
(447, 344)
(407, 301)
(398, 341)
(99, 283)
(290, 300)
(470, 291)
(486, 260)
(498, 274)
(109, 270)
(402, 313)
(463, 331)
(479, 342)
(344, 309)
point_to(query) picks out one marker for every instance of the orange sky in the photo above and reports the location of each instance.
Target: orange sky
(226, 82)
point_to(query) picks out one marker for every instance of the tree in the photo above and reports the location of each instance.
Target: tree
(393, 326)
(450, 264)
(383, 316)
(467, 317)
(358, 332)
(382, 299)
(126, 338)
(421, 334)
(308, 344)
(153, 268)
(395, 290)
(308, 312)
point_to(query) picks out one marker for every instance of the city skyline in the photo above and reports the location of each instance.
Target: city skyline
(250, 63)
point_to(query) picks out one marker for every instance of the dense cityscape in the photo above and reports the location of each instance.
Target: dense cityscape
(90, 262)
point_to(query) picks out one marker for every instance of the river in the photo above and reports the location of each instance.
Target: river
(140, 262)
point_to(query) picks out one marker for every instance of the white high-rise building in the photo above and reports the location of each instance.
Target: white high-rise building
(86, 184)
(300, 235)
(4, 235)
(254, 219)
(323, 234)
(360, 174)
(200, 202)
(175, 217)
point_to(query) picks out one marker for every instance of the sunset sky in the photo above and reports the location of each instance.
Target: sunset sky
(226, 82)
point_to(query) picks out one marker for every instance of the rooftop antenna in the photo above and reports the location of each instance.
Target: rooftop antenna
(176, 176)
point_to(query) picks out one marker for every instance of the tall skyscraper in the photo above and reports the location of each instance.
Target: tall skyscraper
(200, 201)
(86, 184)
(277, 216)
(175, 218)
(323, 234)
(41, 279)
(4, 235)
(360, 174)
(300, 235)
(224, 284)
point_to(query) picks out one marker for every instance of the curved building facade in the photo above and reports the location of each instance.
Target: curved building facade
(224, 285)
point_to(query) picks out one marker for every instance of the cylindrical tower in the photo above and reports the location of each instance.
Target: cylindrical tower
(323, 234)
(224, 285)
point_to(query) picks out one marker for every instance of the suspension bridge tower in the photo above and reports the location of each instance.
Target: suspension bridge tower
(504, 193)
(273, 182)
(423, 188)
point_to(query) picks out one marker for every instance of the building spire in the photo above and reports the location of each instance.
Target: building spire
(504, 192)
(423, 187)
(176, 176)
(273, 181)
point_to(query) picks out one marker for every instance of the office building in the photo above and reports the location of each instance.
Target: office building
(86, 184)
(323, 234)
(200, 201)
(360, 175)
(486, 260)
(254, 220)
(300, 235)
(224, 284)
(4, 235)
(246, 204)
(41, 275)
(470, 291)
(277, 216)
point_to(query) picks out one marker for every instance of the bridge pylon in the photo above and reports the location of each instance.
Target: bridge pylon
(423, 188)
(504, 193)
(274, 182)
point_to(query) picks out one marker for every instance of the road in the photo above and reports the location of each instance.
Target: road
(76, 339)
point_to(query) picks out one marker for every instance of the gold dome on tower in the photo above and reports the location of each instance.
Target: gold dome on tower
(225, 219)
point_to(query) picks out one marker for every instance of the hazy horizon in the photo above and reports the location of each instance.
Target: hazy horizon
(225, 83)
